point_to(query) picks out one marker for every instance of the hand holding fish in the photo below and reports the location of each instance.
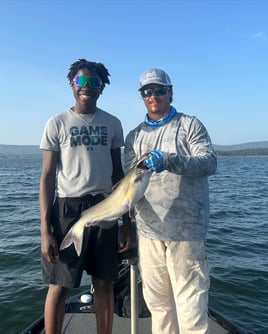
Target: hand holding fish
(126, 194)
(156, 161)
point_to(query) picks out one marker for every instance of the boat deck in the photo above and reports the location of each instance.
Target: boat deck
(86, 323)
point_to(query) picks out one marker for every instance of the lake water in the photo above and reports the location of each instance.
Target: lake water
(237, 242)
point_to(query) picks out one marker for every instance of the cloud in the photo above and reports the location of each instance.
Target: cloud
(260, 36)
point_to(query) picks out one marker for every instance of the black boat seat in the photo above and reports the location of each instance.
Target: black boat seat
(132, 252)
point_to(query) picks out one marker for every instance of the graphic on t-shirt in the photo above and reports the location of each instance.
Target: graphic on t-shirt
(88, 135)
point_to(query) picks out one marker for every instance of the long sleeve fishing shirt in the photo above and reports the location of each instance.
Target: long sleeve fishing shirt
(175, 206)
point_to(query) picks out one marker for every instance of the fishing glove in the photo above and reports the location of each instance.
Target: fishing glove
(155, 161)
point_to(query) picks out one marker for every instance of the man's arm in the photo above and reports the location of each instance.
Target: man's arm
(49, 246)
(117, 175)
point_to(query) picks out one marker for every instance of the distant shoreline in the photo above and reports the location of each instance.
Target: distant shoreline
(249, 149)
(257, 152)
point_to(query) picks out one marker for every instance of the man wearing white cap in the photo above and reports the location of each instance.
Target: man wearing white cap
(172, 218)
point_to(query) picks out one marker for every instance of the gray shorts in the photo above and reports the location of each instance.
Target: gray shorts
(99, 256)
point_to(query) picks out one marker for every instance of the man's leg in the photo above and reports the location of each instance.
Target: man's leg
(54, 309)
(188, 271)
(104, 305)
(156, 286)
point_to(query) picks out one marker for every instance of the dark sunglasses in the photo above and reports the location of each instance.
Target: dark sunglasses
(159, 91)
(83, 80)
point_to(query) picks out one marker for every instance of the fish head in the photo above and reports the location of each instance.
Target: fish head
(139, 170)
(138, 163)
(140, 177)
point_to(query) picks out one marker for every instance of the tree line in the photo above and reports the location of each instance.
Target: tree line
(253, 152)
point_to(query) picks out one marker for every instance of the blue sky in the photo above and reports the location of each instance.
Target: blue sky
(216, 53)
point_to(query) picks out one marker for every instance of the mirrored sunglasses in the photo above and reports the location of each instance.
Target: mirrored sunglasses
(159, 91)
(83, 80)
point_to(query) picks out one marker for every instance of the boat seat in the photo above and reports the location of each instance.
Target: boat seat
(132, 252)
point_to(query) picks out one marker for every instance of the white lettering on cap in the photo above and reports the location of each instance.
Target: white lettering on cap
(151, 75)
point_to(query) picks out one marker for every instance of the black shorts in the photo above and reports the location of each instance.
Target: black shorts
(99, 256)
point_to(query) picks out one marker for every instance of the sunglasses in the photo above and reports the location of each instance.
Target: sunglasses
(83, 80)
(159, 91)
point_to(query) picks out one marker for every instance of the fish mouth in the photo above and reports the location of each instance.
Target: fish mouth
(140, 164)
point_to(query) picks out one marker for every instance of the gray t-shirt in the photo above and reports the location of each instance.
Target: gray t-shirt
(84, 143)
(176, 202)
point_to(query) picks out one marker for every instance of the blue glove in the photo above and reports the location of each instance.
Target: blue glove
(155, 161)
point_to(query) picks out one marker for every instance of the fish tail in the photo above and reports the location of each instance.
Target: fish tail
(75, 238)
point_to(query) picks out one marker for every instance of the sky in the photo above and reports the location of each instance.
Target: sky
(216, 53)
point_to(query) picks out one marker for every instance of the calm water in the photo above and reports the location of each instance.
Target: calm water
(237, 243)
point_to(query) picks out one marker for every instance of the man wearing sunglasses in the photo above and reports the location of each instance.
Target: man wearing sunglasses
(81, 161)
(172, 218)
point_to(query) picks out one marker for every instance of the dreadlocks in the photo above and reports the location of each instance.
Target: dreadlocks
(99, 68)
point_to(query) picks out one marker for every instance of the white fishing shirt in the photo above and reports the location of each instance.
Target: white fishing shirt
(176, 203)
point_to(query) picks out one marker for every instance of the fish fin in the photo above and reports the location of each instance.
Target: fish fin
(91, 224)
(131, 212)
(78, 242)
(131, 209)
(68, 240)
(138, 178)
(72, 237)
(116, 185)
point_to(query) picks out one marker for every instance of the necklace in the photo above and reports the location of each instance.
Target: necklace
(86, 118)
